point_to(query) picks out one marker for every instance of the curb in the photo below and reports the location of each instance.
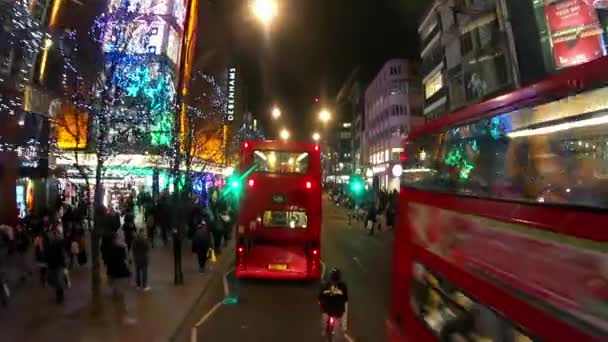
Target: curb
(181, 326)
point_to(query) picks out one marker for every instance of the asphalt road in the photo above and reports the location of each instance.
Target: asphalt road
(288, 311)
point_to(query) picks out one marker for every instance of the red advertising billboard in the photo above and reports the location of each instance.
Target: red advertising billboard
(577, 50)
(569, 14)
(561, 273)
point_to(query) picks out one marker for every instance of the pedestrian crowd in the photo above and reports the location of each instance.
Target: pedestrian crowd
(375, 209)
(55, 240)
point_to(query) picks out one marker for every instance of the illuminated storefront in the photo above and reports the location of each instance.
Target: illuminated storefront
(150, 61)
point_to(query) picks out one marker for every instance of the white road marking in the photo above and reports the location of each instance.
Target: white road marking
(346, 336)
(194, 333)
(225, 281)
(208, 314)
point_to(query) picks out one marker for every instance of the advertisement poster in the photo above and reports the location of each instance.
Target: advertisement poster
(560, 272)
(577, 50)
(569, 14)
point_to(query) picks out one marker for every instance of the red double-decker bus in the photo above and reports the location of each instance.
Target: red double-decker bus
(503, 226)
(279, 223)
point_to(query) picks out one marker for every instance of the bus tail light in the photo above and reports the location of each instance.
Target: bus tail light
(246, 144)
(316, 147)
(315, 252)
(309, 185)
(240, 258)
(251, 183)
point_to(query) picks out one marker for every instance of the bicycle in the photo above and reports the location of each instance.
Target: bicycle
(330, 328)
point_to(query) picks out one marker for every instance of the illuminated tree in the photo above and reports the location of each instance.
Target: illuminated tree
(202, 133)
(121, 106)
(21, 37)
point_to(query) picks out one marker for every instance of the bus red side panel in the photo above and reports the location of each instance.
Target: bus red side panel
(402, 325)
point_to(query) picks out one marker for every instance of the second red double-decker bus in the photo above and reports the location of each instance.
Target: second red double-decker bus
(279, 223)
(503, 225)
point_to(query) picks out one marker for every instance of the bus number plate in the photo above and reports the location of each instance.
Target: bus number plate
(279, 198)
(277, 267)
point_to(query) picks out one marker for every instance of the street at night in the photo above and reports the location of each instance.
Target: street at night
(304, 170)
(288, 310)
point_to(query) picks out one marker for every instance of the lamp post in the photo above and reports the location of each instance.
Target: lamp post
(284, 134)
(265, 11)
(276, 113)
(325, 117)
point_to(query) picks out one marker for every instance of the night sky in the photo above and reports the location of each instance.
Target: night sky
(313, 49)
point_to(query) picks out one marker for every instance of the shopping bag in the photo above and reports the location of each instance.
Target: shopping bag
(66, 275)
(7, 290)
(369, 225)
(211, 255)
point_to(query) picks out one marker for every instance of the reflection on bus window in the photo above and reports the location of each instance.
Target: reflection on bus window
(453, 316)
(280, 162)
(552, 153)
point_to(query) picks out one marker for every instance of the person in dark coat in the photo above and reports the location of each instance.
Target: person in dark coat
(200, 245)
(215, 221)
(196, 217)
(141, 257)
(164, 214)
(129, 228)
(119, 274)
(55, 258)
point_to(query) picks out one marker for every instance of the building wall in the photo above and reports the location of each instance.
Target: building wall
(390, 101)
(8, 182)
(476, 49)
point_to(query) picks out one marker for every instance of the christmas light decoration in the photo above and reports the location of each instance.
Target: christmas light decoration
(21, 39)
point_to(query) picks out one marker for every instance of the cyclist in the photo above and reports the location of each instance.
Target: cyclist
(333, 299)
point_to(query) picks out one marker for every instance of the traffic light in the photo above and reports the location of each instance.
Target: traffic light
(356, 185)
(233, 184)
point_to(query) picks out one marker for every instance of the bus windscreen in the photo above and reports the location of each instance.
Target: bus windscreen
(281, 162)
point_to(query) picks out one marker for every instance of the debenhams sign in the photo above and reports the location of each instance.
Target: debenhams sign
(231, 94)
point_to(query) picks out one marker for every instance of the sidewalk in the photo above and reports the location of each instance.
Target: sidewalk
(33, 315)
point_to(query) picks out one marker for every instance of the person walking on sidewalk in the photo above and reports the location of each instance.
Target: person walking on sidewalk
(151, 222)
(141, 257)
(129, 228)
(22, 243)
(119, 274)
(41, 243)
(55, 257)
(200, 245)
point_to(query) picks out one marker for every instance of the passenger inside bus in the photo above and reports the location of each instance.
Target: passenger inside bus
(453, 316)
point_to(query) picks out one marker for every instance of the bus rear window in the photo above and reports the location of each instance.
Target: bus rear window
(281, 162)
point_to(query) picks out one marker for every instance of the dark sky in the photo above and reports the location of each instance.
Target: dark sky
(314, 47)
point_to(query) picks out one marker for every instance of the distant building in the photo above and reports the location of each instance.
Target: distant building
(475, 49)
(392, 101)
(357, 103)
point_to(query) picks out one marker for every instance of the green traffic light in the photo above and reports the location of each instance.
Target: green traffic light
(235, 184)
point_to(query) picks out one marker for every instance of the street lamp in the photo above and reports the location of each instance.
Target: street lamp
(324, 115)
(276, 113)
(265, 10)
(284, 134)
(316, 136)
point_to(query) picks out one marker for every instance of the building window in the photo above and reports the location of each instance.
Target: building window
(433, 85)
